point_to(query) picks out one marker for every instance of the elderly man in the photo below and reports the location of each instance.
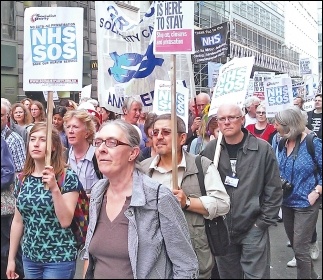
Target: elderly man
(195, 206)
(202, 99)
(251, 105)
(250, 174)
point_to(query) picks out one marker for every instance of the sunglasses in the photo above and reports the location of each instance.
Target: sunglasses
(164, 132)
(260, 113)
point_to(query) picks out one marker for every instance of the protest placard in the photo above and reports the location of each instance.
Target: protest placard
(232, 83)
(53, 49)
(278, 95)
(305, 67)
(259, 78)
(162, 99)
(174, 27)
(213, 69)
(55, 95)
(211, 43)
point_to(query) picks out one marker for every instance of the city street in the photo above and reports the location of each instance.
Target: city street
(280, 253)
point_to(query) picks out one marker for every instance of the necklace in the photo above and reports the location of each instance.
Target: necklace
(81, 155)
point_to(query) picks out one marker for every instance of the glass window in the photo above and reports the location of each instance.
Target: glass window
(244, 32)
(8, 24)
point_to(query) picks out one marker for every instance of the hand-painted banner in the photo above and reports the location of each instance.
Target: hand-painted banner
(174, 27)
(232, 83)
(53, 49)
(211, 43)
(162, 99)
(126, 62)
(213, 69)
(278, 95)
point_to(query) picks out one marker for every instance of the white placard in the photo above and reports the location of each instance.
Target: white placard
(233, 82)
(86, 91)
(162, 99)
(53, 49)
(278, 95)
(55, 96)
(174, 27)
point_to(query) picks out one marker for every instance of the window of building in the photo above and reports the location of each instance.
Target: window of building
(8, 23)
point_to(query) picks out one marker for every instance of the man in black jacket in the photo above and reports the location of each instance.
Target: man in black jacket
(250, 174)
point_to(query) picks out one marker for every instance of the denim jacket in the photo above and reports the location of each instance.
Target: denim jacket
(159, 245)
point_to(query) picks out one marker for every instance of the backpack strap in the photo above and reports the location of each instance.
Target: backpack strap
(311, 150)
(281, 144)
(200, 174)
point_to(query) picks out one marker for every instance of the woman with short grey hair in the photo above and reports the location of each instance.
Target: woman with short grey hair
(302, 186)
(137, 228)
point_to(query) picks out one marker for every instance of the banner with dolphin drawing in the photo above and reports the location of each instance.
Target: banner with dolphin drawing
(127, 64)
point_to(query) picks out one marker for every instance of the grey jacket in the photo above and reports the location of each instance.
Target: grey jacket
(258, 197)
(159, 245)
(219, 204)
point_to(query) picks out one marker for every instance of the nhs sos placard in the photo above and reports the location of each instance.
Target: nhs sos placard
(54, 43)
(53, 49)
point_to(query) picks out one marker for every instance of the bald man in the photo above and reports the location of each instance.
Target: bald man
(194, 122)
(250, 174)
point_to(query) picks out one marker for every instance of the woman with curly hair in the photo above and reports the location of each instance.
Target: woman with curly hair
(20, 114)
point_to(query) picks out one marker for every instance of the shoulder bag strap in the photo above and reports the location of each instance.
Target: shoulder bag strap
(200, 176)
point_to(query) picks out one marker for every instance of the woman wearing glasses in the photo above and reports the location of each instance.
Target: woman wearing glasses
(262, 128)
(137, 229)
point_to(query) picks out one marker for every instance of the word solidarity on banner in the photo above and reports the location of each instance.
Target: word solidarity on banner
(127, 64)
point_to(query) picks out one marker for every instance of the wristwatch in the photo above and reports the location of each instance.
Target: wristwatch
(188, 203)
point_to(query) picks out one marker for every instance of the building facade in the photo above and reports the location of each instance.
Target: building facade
(258, 28)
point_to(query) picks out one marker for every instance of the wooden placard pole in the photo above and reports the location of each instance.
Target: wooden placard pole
(174, 122)
(49, 129)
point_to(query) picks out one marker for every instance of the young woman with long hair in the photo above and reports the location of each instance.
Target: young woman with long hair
(43, 216)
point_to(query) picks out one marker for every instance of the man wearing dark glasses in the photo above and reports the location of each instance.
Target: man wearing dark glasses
(195, 206)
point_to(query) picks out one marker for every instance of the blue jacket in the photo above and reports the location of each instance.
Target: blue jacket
(300, 172)
(170, 253)
(7, 166)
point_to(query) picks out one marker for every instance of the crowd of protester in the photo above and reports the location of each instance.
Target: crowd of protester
(141, 226)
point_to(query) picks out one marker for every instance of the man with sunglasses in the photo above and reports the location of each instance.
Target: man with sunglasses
(195, 206)
(250, 174)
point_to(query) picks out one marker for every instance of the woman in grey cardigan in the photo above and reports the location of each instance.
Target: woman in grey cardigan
(137, 228)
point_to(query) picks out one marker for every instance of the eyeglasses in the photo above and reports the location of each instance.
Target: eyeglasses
(110, 142)
(260, 113)
(230, 119)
